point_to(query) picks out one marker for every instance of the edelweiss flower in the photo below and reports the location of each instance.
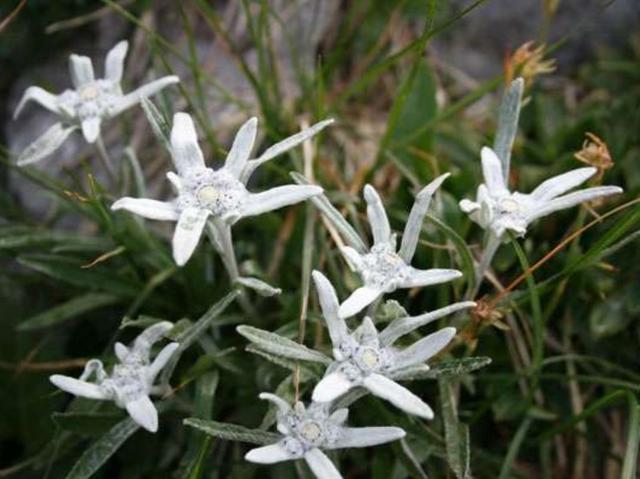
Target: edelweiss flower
(92, 101)
(500, 210)
(384, 270)
(220, 194)
(367, 358)
(307, 431)
(131, 381)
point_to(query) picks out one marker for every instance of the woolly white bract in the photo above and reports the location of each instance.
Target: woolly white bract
(220, 195)
(384, 270)
(309, 430)
(90, 102)
(367, 358)
(499, 210)
(131, 381)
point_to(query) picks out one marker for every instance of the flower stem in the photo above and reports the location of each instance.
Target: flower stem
(220, 237)
(105, 159)
(491, 247)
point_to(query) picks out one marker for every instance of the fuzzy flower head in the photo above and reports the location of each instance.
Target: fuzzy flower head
(91, 101)
(384, 268)
(221, 194)
(499, 210)
(307, 431)
(368, 359)
(131, 381)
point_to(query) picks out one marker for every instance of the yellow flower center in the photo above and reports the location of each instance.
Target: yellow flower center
(370, 358)
(509, 206)
(208, 194)
(88, 92)
(311, 431)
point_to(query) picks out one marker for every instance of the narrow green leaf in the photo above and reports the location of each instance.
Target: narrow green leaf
(466, 259)
(280, 346)
(233, 432)
(514, 447)
(190, 335)
(68, 310)
(538, 322)
(70, 270)
(94, 457)
(633, 441)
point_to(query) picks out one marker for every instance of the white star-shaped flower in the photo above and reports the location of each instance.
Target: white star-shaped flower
(88, 104)
(384, 270)
(309, 431)
(131, 381)
(218, 194)
(499, 210)
(368, 359)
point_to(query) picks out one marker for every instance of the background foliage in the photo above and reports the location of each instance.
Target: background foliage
(75, 276)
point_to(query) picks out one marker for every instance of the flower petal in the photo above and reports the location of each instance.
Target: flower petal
(321, 465)
(332, 386)
(258, 203)
(161, 361)
(43, 97)
(187, 234)
(91, 128)
(354, 259)
(114, 62)
(366, 436)
(572, 199)
(187, 154)
(151, 209)
(81, 70)
(283, 406)
(468, 206)
(329, 305)
(46, 144)
(269, 454)
(133, 98)
(560, 184)
(422, 350)
(492, 171)
(282, 146)
(399, 327)
(358, 300)
(427, 277)
(143, 412)
(414, 223)
(241, 148)
(397, 395)
(377, 216)
(77, 387)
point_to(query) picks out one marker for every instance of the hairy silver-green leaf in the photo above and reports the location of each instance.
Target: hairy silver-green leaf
(100, 451)
(508, 124)
(280, 346)
(232, 432)
(259, 286)
(159, 124)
